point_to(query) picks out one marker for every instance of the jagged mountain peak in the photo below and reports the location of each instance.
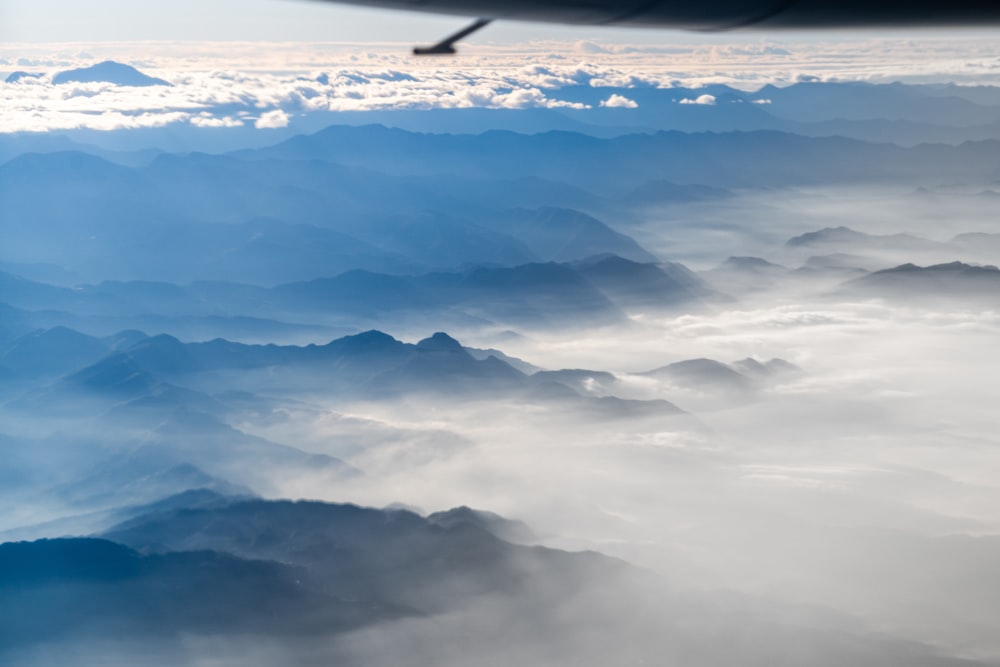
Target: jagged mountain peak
(440, 341)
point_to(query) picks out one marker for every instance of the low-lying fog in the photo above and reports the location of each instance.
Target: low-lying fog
(865, 481)
(862, 477)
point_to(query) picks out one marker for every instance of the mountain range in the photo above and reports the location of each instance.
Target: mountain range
(305, 577)
(192, 343)
(903, 113)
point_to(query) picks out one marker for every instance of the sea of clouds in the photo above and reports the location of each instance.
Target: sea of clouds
(266, 85)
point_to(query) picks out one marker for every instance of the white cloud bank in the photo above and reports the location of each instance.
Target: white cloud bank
(272, 119)
(619, 102)
(229, 84)
(705, 100)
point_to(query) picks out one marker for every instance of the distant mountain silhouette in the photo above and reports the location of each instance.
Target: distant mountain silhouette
(851, 240)
(703, 374)
(816, 101)
(521, 365)
(839, 261)
(440, 363)
(146, 479)
(51, 352)
(955, 282)
(239, 227)
(742, 275)
(645, 285)
(771, 369)
(564, 235)
(14, 77)
(390, 201)
(117, 375)
(724, 160)
(740, 378)
(595, 290)
(110, 72)
(145, 379)
(580, 380)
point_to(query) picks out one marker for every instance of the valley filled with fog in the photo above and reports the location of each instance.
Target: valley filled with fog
(721, 394)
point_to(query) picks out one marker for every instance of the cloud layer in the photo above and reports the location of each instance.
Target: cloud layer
(265, 85)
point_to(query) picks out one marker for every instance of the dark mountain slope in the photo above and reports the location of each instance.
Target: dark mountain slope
(362, 553)
(96, 589)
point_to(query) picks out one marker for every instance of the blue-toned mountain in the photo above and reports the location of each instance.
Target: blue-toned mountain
(108, 71)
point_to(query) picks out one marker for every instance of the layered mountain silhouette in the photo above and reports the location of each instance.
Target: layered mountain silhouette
(743, 275)
(594, 291)
(751, 159)
(168, 449)
(147, 379)
(845, 238)
(177, 408)
(905, 114)
(957, 283)
(399, 203)
(740, 378)
(302, 575)
(267, 222)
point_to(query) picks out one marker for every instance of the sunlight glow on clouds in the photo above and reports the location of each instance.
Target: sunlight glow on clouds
(225, 84)
(619, 101)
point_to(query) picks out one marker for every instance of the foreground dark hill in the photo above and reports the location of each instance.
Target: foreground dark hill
(319, 583)
(87, 589)
(358, 553)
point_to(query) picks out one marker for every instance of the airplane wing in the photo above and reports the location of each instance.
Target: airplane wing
(717, 14)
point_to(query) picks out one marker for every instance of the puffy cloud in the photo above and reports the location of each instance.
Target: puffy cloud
(272, 119)
(707, 100)
(619, 102)
(207, 120)
(224, 80)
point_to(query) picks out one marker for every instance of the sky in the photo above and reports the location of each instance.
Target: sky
(274, 60)
(121, 20)
(311, 20)
(217, 81)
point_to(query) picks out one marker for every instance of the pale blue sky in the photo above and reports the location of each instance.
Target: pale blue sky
(117, 20)
(305, 20)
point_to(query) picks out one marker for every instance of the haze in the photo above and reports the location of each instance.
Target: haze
(708, 353)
